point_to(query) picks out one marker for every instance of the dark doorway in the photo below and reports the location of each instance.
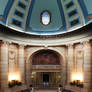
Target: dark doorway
(46, 78)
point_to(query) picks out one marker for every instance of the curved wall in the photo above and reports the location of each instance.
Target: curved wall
(83, 34)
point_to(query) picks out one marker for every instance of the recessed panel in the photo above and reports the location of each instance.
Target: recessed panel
(88, 4)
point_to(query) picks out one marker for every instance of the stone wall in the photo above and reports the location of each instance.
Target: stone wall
(80, 63)
(75, 58)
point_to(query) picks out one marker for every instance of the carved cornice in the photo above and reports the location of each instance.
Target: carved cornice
(61, 39)
(70, 44)
(85, 42)
(46, 44)
(6, 43)
(21, 45)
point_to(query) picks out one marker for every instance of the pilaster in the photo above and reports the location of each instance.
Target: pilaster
(87, 65)
(70, 63)
(4, 64)
(21, 63)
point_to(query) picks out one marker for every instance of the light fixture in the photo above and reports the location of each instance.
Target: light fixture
(77, 79)
(14, 79)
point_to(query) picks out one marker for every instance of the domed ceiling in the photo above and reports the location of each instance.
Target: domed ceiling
(45, 17)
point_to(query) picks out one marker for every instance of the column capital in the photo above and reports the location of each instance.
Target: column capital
(69, 45)
(5, 43)
(85, 42)
(21, 45)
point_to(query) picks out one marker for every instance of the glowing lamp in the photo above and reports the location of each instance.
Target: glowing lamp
(14, 79)
(77, 79)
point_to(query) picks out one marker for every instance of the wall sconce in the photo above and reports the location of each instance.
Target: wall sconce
(59, 76)
(33, 74)
(77, 83)
(14, 80)
(77, 80)
(13, 83)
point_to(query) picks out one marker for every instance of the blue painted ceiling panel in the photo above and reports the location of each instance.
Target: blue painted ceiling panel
(38, 8)
(59, 15)
(5, 6)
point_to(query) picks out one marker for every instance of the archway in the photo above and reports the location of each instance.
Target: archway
(45, 57)
(44, 63)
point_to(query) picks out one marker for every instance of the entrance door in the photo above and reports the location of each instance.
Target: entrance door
(46, 78)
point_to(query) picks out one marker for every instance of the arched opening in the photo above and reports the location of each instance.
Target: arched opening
(45, 68)
(45, 57)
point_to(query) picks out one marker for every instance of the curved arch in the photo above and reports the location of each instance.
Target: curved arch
(29, 64)
(45, 57)
(55, 50)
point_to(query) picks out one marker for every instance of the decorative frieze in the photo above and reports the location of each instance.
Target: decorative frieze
(85, 41)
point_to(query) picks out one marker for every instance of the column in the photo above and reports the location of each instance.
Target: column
(21, 63)
(70, 59)
(4, 65)
(87, 65)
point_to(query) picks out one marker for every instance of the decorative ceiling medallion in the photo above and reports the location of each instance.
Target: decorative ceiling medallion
(62, 28)
(45, 17)
(28, 29)
(89, 18)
